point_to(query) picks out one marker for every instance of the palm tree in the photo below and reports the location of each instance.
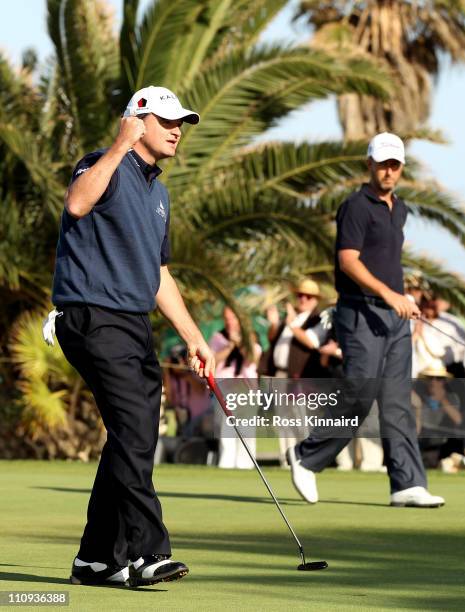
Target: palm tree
(410, 38)
(242, 213)
(58, 408)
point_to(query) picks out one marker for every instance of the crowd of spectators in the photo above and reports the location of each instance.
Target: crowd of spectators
(303, 344)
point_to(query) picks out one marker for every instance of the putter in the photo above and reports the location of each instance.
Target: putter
(305, 566)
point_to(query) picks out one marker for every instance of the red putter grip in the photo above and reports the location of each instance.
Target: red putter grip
(211, 379)
(219, 396)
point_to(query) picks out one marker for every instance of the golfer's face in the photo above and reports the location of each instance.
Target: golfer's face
(385, 174)
(162, 135)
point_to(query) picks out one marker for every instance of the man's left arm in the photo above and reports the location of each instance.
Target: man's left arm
(172, 307)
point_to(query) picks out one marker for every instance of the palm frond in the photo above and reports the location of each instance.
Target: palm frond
(301, 170)
(18, 97)
(128, 49)
(430, 202)
(245, 24)
(425, 133)
(246, 93)
(164, 26)
(42, 371)
(23, 146)
(19, 251)
(88, 59)
(179, 38)
(269, 191)
(43, 408)
(195, 45)
(35, 359)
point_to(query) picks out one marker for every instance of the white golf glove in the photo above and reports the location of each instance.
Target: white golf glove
(48, 327)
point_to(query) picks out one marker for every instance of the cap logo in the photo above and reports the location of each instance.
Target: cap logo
(142, 102)
(389, 144)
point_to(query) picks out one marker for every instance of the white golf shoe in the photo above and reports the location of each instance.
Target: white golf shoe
(417, 497)
(304, 480)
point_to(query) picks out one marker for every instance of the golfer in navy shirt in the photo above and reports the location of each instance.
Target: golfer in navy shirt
(373, 330)
(111, 270)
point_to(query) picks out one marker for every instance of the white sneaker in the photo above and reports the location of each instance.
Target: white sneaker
(304, 480)
(417, 497)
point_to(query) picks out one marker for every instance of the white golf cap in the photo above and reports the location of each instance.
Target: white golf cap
(161, 102)
(386, 146)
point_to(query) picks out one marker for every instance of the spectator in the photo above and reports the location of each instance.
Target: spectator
(293, 341)
(453, 326)
(429, 344)
(438, 414)
(294, 350)
(415, 285)
(233, 362)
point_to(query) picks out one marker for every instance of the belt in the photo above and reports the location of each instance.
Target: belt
(365, 299)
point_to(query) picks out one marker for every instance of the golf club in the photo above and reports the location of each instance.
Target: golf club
(305, 566)
(423, 320)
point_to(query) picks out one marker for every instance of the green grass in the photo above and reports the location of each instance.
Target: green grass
(241, 556)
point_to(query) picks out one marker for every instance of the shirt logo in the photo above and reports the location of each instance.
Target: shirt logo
(161, 210)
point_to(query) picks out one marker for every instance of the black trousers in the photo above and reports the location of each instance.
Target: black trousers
(377, 359)
(113, 352)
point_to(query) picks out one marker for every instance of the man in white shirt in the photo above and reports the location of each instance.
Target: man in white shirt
(290, 355)
(293, 351)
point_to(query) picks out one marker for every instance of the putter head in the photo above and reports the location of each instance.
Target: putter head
(312, 566)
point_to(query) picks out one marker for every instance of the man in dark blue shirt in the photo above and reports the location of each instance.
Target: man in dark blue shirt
(111, 266)
(373, 330)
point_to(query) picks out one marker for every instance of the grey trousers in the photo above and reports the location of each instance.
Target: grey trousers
(377, 352)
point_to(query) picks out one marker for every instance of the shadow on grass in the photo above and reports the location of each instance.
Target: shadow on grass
(421, 569)
(231, 498)
(199, 496)
(34, 566)
(15, 577)
(351, 503)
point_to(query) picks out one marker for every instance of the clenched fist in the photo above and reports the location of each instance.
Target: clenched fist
(131, 130)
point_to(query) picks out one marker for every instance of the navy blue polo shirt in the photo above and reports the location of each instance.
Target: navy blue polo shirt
(112, 256)
(365, 223)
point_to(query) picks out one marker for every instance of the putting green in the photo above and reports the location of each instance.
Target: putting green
(241, 556)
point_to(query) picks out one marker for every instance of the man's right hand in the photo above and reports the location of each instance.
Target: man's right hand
(88, 188)
(290, 313)
(405, 308)
(131, 130)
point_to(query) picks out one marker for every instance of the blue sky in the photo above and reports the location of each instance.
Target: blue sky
(23, 25)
